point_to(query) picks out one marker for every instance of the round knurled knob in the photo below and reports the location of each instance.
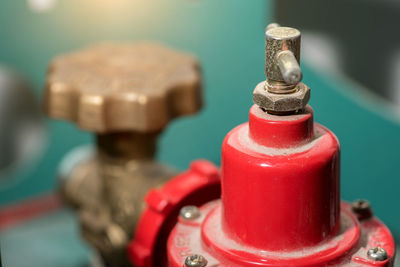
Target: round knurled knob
(115, 87)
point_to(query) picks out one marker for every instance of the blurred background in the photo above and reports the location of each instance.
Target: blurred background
(351, 61)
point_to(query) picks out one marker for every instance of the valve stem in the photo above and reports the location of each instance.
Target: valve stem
(282, 93)
(282, 56)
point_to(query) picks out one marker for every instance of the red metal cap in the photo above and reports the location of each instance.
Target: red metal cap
(280, 131)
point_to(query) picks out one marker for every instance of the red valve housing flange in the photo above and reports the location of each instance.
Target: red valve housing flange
(196, 186)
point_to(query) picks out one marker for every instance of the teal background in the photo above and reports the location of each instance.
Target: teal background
(228, 38)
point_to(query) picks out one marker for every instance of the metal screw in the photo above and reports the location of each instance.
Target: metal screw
(289, 67)
(362, 208)
(196, 260)
(377, 254)
(190, 213)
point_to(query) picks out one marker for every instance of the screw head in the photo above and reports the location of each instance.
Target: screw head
(196, 260)
(362, 208)
(377, 254)
(190, 213)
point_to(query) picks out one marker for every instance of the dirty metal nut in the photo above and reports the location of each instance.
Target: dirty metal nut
(281, 102)
(190, 213)
(377, 254)
(362, 208)
(195, 260)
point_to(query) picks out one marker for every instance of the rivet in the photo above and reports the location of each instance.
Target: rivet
(196, 260)
(190, 213)
(377, 254)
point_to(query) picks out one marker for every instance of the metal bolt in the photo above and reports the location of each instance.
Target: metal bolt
(362, 208)
(190, 213)
(377, 254)
(289, 67)
(196, 260)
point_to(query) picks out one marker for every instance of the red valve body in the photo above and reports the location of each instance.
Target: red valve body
(280, 203)
(280, 182)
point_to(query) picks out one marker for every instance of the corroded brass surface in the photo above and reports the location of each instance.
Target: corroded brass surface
(278, 39)
(108, 194)
(126, 94)
(281, 103)
(123, 87)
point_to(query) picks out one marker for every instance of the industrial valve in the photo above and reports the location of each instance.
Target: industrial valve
(126, 94)
(275, 201)
(280, 190)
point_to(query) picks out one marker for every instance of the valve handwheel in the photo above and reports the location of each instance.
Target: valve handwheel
(123, 87)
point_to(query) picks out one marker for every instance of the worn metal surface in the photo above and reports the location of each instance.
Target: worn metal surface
(126, 94)
(122, 87)
(108, 217)
(282, 92)
(276, 103)
(377, 254)
(289, 67)
(278, 39)
(195, 260)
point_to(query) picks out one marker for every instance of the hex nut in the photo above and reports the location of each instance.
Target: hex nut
(281, 102)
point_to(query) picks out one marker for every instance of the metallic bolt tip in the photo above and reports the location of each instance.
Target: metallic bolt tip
(289, 67)
(282, 33)
(271, 26)
(189, 212)
(377, 254)
(293, 76)
(195, 260)
(361, 204)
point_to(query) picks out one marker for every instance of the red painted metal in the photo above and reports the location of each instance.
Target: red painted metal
(280, 203)
(347, 248)
(199, 185)
(280, 198)
(280, 131)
